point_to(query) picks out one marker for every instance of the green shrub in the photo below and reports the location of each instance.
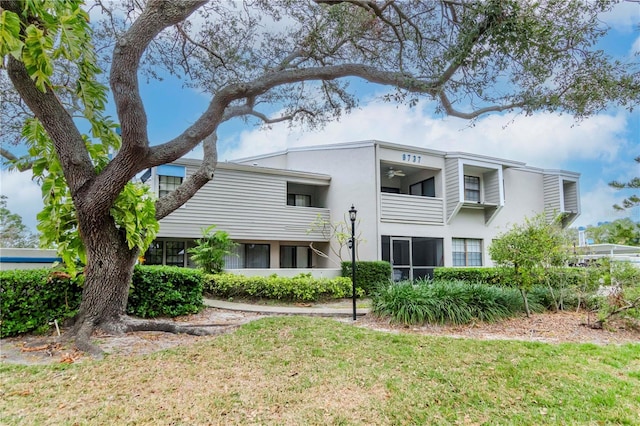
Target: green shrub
(454, 302)
(470, 275)
(165, 291)
(369, 274)
(301, 288)
(30, 299)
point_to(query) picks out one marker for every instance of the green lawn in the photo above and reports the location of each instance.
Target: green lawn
(295, 370)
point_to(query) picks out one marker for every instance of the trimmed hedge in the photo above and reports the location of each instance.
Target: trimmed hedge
(369, 275)
(30, 299)
(167, 291)
(301, 288)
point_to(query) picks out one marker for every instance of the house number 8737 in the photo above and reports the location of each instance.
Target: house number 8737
(411, 158)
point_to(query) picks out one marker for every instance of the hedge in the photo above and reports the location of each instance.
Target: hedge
(30, 299)
(369, 275)
(165, 291)
(301, 288)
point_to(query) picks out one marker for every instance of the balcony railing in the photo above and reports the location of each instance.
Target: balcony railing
(411, 208)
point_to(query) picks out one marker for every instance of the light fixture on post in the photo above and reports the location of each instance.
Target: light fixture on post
(352, 246)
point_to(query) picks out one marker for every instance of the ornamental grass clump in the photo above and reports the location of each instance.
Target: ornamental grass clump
(439, 302)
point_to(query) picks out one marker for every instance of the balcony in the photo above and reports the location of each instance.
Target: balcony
(410, 208)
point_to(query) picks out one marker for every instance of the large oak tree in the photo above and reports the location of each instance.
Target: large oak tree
(292, 56)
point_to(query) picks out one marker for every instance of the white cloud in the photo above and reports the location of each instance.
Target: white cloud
(597, 205)
(624, 16)
(635, 48)
(542, 140)
(23, 195)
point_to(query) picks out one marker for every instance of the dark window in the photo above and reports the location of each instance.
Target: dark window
(302, 200)
(174, 253)
(257, 256)
(153, 256)
(390, 190)
(168, 184)
(467, 252)
(472, 188)
(295, 257)
(426, 188)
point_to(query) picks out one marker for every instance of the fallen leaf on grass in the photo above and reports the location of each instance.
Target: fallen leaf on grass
(20, 393)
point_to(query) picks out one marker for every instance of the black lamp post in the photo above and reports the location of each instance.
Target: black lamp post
(352, 246)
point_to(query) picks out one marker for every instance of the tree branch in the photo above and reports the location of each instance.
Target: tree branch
(191, 185)
(67, 140)
(156, 16)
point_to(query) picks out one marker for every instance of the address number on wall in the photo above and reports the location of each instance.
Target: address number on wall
(411, 158)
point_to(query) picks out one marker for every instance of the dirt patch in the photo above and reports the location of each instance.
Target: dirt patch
(547, 327)
(31, 350)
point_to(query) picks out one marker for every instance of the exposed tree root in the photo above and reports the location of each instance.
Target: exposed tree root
(81, 333)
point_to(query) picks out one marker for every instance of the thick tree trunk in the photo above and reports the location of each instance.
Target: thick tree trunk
(108, 275)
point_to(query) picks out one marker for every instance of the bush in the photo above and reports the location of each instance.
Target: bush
(454, 302)
(470, 275)
(165, 291)
(301, 288)
(369, 275)
(30, 299)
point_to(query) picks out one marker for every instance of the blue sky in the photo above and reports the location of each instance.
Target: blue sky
(601, 148)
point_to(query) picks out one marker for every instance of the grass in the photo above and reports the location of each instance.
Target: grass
(301, 371)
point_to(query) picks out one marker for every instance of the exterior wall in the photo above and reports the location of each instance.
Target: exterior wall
(354, 181)
(24, 258)
(251, 204)
(247, 205)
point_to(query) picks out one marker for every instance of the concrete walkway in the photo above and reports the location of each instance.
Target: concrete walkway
(317, 310)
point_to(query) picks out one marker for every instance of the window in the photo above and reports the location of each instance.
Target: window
(467, 252)
(425, 188)
(248, 256)
(174, 253)
(153, 256)
(472, 188)
(390, 190)
(168, 184)
(257, 256)
(295, 257)
(302, 200)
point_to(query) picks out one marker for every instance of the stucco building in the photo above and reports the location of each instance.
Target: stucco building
(417, 208)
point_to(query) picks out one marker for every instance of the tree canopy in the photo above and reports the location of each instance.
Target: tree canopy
(14, 233)
(292, 61)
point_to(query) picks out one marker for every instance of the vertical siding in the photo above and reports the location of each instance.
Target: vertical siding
(452, 186)
(552, 201)
(247, 206)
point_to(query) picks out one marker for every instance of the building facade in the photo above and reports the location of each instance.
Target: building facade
(417, 208)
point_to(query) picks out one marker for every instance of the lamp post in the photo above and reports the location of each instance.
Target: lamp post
(352, 245)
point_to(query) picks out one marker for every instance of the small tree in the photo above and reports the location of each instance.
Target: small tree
(526, 251)
(14, 233)
(633, 200)
(337, 233)
(211, 249)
